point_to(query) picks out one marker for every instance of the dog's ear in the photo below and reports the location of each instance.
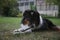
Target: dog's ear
(25, 12)
(36, 18)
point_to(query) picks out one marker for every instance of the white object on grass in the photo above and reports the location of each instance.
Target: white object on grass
(23, 27)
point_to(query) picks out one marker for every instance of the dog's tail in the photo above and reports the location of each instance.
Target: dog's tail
(56, 28)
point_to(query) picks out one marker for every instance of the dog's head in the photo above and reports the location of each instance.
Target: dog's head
(31, 17)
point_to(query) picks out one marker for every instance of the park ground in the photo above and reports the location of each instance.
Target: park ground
(7, 24)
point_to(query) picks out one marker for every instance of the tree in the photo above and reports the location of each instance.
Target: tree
(8, 7)
(56, 2)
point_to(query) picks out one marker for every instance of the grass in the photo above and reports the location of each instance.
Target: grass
(56, 21)
(10, 23)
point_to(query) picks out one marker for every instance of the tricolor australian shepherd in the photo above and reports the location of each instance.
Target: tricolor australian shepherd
(33, 22)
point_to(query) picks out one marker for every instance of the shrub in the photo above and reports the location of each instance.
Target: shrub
(19, 15)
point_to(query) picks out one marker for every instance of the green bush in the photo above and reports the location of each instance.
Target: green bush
(20, 15)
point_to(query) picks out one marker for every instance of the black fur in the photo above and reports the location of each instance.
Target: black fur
(47, 25)
(34, 19)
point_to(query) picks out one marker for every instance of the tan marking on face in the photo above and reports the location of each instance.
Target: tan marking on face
(26, 22)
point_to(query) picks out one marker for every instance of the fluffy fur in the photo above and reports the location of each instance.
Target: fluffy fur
(33, 22)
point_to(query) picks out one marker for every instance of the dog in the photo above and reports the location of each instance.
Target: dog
(33, 22)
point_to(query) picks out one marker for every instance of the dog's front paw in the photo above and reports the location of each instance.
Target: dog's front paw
(15, 32)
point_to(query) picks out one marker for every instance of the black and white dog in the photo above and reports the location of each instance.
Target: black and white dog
(33, 22)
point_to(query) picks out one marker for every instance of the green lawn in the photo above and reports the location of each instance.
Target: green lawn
(56, 21)
(14, 22)
(10, 23)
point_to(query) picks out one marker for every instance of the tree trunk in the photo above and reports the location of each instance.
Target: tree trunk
(59, 11)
